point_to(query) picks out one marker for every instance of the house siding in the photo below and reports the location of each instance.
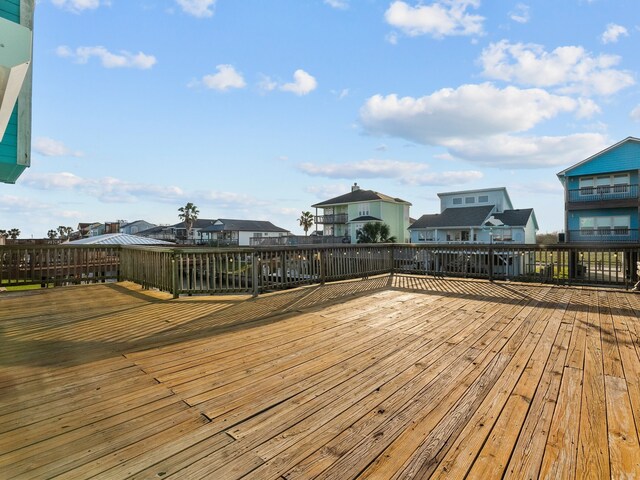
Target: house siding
(575, 216)
(625, 157)
(10, 10)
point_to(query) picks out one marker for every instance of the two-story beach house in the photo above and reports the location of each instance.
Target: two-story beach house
(601, 195)
(479, 216)
(344, 215)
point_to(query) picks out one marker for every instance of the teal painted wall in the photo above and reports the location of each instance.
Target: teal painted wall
(624, 157)
(10, 10)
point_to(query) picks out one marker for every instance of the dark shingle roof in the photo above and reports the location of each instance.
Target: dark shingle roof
(229, 224)
(359, 196)
(366, 218)
(514, 218)
(455, 217)
(199, 223)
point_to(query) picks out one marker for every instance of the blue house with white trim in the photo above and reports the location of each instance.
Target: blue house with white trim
(601, 196)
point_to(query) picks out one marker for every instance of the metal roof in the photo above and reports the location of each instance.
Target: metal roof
(118, 239)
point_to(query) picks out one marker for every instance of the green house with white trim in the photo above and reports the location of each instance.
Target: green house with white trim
(344, 215)
(16, 39)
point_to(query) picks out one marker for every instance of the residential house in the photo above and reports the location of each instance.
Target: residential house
(160, 232)
(84, 229)
(601, 201)
(194, 237)
(133, 228)
(480, 216)
(344, 215)
(227, 232)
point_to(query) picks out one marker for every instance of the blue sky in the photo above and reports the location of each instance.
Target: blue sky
(258, 109)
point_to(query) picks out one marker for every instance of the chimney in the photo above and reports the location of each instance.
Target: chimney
(355, 187)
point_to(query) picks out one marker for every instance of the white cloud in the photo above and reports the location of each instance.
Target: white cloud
(323, 192)
(226, 79)
(266, 84)
(469, 111)
(107, 189)
(302, 84)
(410, 173)
(439, 19)
(571, 70)
(635, 113)
(54, 148)
(521, 13)
(527, 152)
(77, 6)
(392, 38)
(123, 59)
(339, 4)
(483, 124)
(197, 8)
(613, 33)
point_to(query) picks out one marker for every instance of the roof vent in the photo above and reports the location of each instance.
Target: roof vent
(355, 187)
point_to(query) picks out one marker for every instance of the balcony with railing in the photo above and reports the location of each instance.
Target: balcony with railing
(604, 235)
(334, 219)
(603, 193)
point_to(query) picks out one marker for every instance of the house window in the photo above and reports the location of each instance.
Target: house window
(483, 199)
(614, 225)
(468, 200)
(605, 184)
(363, 209)
(457, 201)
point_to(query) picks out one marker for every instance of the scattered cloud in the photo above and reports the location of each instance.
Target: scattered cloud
(521, 13)
(339, 4)
(266, 84)
(635, 113)
(122, 59)
(54, 148)
(381, 148)
(225, 79)
(410, 173)
(323, 192)
(302, 84)
(197, 8)
(571, 70)
(484, 124)
(469, 111)
(78, 6)
(344, 93)
(107, 189)
(613, 33)
(392, 38)
(527, 152)
(439, 19)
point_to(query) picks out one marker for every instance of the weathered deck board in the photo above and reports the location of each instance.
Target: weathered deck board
(410, 377)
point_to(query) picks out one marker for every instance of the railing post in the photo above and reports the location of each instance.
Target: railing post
(490, 259)
(392, 269)
(174, 276)
(323, 266)
(254, 274)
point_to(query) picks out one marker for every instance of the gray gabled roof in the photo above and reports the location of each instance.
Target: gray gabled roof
(454, 217)
(357, 196)
(229, 224)
(134, 222)
(514, 218)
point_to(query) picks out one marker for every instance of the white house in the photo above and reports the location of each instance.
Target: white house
(226, 231)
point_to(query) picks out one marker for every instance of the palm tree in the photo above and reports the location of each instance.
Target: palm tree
(375, 232)
(52, 234)
(3, 233)
(188, 214)
(305, 221)
(14, 233)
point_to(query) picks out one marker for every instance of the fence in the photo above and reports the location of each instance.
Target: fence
(197, 270)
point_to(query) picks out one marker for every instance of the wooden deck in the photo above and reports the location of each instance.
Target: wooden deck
(382, 378)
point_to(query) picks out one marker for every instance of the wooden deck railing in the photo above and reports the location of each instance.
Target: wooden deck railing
(197, 270)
